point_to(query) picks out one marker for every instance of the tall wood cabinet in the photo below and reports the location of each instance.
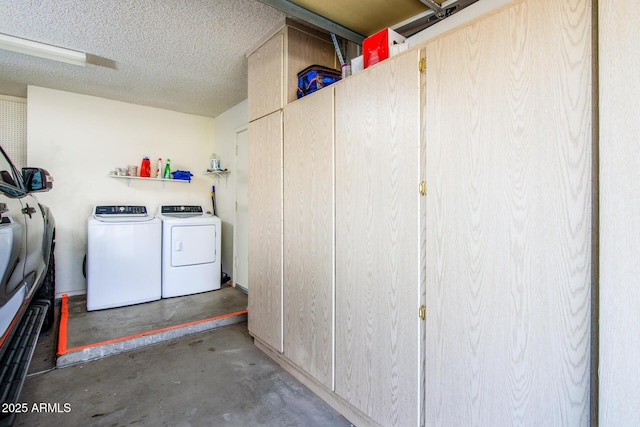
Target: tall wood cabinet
(351, 241)
(619, 214)
(309, 234)
(272, 83)
(378, 241)
(498, 249)
(508, 119)
(265, 229)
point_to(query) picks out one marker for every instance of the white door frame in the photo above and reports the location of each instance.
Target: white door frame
(243, 128)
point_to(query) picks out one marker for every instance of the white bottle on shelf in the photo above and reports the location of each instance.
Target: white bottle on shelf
(159, 169)
(214, 162)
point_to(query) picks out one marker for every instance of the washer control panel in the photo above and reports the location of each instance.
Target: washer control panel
(120, 210)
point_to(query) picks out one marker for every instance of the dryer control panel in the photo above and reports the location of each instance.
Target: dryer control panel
(181, 209)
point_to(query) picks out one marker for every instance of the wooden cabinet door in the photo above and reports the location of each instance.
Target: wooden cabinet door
(377, 366)
(309, 234)
(508, 119)
(265, 229)
(619, 369)
(265, 84)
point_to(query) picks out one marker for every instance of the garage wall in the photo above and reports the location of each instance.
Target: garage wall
(79, 139)
(225, 126)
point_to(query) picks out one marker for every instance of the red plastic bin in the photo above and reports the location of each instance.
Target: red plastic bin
(376, 47)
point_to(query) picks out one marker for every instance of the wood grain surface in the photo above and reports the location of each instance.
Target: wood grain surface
(309, 234)
(619, 59)
(265, 84)
(423, 241)
(265, 229)
(508, 114)
(304, 49)
(378, 241)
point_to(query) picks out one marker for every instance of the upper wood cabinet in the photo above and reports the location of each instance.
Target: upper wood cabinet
(274, 66)
(265, 84)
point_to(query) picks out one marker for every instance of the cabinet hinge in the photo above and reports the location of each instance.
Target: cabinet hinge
(423, 188)
(422, 312)
(422, 65)
(236, 207)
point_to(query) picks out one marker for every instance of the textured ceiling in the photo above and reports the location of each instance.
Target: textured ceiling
(181, 55)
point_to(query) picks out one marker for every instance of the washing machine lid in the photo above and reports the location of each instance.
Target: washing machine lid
(121, 213)
(181, 211)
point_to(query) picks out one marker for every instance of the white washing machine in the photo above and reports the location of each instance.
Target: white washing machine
(124, 257)
(191, 250)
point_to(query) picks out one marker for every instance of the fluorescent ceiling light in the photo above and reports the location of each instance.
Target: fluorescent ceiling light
(42, 50)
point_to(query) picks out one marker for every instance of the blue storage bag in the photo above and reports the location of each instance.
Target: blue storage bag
(316, 77)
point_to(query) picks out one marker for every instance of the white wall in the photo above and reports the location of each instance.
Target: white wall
(225, 126)
(79, 139)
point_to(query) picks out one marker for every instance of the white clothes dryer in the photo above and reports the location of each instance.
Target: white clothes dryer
(191, 250)
(123, 257)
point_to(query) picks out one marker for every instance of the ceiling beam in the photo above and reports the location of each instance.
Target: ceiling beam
(432, 5)
(315, 19)
(430, 17)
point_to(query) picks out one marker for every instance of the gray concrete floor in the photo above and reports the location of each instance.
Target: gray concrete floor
(88, 327)
(102, 333)
(216, 378)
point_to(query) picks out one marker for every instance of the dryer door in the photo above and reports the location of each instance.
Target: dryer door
(193, 244)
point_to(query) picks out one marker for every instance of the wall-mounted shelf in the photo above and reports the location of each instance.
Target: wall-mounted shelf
(129, 178)
(216, 174)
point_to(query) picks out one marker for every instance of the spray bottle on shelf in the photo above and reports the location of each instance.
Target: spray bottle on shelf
(159, 169)
(167, 170)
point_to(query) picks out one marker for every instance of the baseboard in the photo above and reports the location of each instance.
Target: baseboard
(354, 415)
(241, 288)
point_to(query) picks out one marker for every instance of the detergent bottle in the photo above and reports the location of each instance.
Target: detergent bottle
(145, 168)
(167, 170)
(159, 169)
